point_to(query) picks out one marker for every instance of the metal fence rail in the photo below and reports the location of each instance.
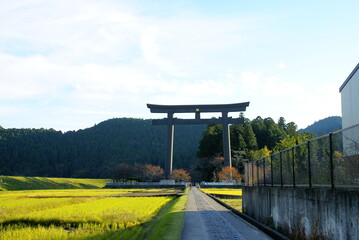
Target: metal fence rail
(331, 161)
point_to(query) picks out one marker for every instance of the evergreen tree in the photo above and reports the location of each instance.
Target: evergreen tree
(241, 143)
(211, 143)
(281, 123)
(259, 130)
(291, 129)
(249, 137)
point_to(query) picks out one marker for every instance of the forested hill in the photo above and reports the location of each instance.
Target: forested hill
(324, 126)
(252, 140)
(92, 152)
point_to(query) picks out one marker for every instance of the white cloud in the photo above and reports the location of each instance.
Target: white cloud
(251, 81)
(107, 46)
(272, 96)
(151, 49)
(92, 59)
(281, 65)
(27, 77)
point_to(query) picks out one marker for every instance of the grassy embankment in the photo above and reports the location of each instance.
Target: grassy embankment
(235, 203)
(89, 214)
(169, 223)
(27, 183)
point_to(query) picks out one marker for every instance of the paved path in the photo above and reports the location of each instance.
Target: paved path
(206, 219)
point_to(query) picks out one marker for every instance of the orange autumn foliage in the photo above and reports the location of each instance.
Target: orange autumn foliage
(180, 175)
(152, 173)
(229, 174)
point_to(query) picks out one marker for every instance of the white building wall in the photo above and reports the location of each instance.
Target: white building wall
(350, 115)
(350, 101)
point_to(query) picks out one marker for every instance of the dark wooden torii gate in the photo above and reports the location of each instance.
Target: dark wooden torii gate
(170, 121)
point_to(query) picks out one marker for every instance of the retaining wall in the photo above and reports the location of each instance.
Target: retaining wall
(327, 213)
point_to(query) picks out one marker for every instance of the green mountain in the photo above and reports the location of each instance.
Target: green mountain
(94, 151)
(324, 126)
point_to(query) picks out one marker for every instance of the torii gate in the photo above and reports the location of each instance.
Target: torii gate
(170, 121)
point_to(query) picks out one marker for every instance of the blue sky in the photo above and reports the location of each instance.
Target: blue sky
(69, 65)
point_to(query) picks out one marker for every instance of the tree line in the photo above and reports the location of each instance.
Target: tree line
(251, 140)
(125, 172)
(95, 151)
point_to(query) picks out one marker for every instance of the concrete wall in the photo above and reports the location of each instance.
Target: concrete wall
(331, 214)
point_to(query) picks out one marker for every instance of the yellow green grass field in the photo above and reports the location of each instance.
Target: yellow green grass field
(235, 203)
(225, 191)
(89, 214)
(26, 183)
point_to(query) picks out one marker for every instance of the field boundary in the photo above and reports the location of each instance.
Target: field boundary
(227, 196)
(168, 223)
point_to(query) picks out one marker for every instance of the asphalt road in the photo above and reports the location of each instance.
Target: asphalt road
(206, 219)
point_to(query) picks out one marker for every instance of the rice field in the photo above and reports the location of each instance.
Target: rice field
(27, 183)
(224, 191)
(235, 203)
(82, 193)
(78, 214)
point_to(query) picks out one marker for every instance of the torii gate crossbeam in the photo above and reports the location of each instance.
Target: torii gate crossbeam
(170, 121)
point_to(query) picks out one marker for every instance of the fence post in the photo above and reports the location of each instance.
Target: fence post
(309, 167)
(271, 169)
(257, 172)
(252, 163)
(264, 171)
(293, 167)
(331, 160)
(281, 169)
(246, 172)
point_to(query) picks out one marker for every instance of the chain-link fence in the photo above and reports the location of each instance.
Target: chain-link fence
(331, 160)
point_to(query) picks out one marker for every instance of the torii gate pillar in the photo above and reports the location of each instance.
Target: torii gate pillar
(169, 153)
(226, 141)
(170, 121)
